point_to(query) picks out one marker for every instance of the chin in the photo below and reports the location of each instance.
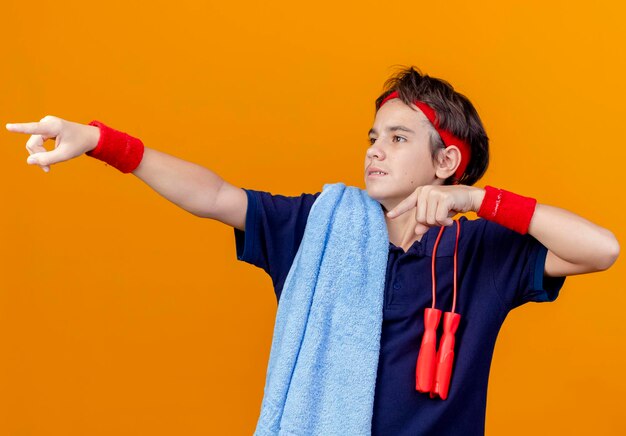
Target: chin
(378, 193)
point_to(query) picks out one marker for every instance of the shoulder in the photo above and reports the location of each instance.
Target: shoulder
(269, 211)
(279, 202)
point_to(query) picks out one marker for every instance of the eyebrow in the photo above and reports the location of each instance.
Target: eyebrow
(391, 129)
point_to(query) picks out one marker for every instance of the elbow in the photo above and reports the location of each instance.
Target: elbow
(612, 252)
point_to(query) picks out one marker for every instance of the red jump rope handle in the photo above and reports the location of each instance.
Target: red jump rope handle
(445, 355)
(426, 359)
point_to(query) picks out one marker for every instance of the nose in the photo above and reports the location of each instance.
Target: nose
(374, 152)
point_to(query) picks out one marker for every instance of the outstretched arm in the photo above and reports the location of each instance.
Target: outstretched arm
(193, 187)
(190, 186)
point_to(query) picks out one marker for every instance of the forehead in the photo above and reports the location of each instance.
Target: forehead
(394, 112)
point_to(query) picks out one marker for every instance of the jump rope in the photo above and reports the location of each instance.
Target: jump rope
(434, 368)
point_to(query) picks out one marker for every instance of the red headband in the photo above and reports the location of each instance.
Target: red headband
(448, 137)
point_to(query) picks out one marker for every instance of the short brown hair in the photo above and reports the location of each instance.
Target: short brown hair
(454, 112)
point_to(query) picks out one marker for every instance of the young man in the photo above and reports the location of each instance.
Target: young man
(428, 147)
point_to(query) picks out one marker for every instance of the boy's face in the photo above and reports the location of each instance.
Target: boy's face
(403, 155)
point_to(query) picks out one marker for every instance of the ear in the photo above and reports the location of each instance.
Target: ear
(448, 161)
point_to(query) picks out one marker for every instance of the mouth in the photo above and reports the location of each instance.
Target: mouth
(376, 174)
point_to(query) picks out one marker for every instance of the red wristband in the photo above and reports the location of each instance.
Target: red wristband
(117, 149)
(507, 209)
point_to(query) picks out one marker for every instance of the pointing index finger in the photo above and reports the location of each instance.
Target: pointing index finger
(406, 204)
(30, 128)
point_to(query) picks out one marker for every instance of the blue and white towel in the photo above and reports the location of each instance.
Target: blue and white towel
(321, 374)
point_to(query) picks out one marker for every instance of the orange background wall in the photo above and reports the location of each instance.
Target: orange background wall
(121, 314)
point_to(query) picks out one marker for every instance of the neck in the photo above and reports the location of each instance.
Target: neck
(401, 229)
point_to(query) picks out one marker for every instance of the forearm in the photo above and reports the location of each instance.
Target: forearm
(573, 238)
(569, 236)
(186, 184)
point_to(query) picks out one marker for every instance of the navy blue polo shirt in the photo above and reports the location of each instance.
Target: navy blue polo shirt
(498, 270)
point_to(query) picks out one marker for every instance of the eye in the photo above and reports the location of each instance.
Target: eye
(371, 140)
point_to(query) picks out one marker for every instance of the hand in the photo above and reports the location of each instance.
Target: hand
(436, 204)
(71, 140)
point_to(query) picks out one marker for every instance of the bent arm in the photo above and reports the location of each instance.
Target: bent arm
(575, 245)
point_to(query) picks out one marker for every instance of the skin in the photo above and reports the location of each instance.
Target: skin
(405, 156)
(414, 198)
(413, 187)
